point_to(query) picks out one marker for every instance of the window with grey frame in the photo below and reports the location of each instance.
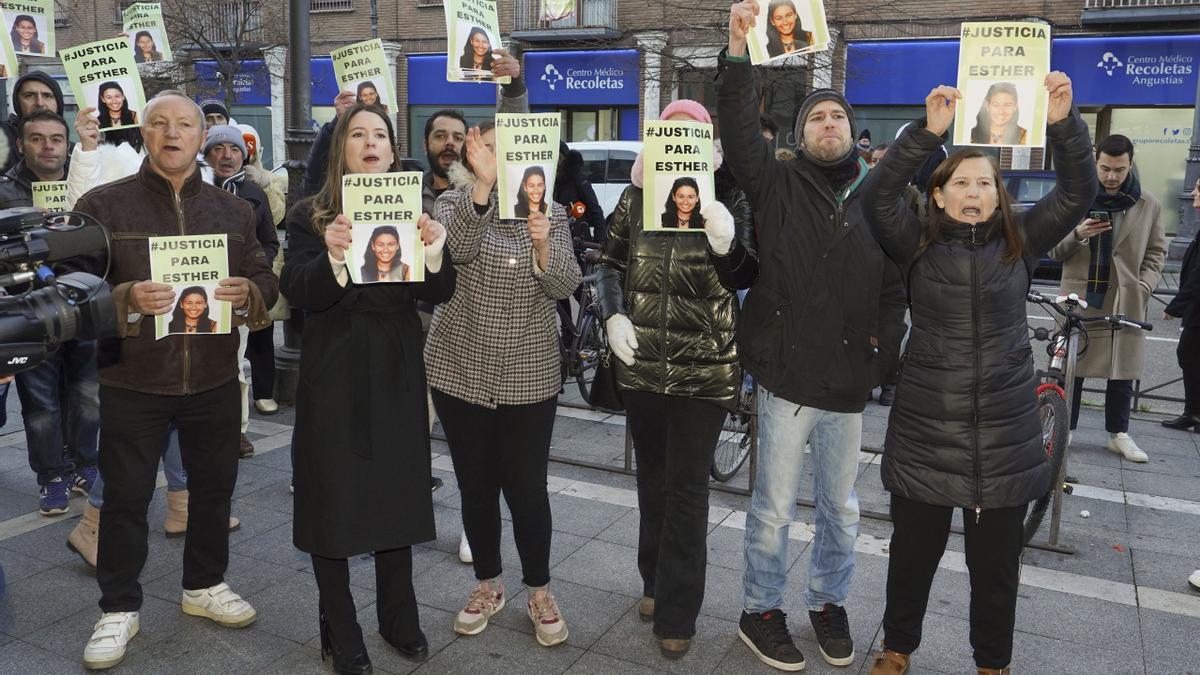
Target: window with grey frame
(331, 6)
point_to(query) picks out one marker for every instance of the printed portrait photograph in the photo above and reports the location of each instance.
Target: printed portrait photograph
(195, 311)
(371, 92)
(679, 199)
(28, 33)
(785, 26)
(146, 45)
(116, 102)
(999, 112)
(386, 253)
(475, 46)
(532, 187)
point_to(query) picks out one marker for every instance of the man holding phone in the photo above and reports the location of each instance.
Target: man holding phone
(1114, 258)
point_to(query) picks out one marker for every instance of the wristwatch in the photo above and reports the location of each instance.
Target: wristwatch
(243, 312)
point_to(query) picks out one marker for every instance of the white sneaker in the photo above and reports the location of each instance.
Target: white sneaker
(1194, 580)
(220, 604)
(112, 632)
(1123, 445)
(266, 406)
(464, 550)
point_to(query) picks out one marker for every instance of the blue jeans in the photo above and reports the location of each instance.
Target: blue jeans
(172, 463)
(47, 427)
(836, 439)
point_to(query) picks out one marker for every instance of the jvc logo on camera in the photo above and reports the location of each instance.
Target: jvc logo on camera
(18, 360)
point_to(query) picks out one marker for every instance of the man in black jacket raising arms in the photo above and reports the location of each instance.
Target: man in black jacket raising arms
(815, 332)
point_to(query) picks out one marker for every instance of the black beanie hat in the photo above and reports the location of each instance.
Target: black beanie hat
(806, 107)
(211, 106)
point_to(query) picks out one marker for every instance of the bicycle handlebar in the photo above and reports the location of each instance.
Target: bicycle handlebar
(585, 244)
(1116, 320)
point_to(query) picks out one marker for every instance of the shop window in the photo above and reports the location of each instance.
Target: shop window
(1160, 147)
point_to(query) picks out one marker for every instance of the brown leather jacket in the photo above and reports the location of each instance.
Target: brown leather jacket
(142, 206)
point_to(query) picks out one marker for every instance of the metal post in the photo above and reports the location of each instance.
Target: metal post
(374, 20)
(299, 140)
(1189, 220)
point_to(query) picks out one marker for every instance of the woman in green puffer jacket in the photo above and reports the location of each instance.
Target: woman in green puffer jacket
(670, 308)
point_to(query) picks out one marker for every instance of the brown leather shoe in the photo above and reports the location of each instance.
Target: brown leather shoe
(646, 609)
(246, 448)
(674, 649)
(888, 662)
(995, 671)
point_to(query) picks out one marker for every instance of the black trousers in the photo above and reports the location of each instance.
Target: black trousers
(133, 432)
(395, 601)
(1188, 353)
(260, 351)
(1118, 404)
(673, 439)
(502, 450)
(993, 548)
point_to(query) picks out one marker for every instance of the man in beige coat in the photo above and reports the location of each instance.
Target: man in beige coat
(1115, 259)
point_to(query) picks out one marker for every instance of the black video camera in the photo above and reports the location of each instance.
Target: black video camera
(49, 310)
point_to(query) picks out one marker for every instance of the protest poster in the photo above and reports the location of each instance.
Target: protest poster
(362, 68)
(192, 265)
(30, 25)
(557, 10)
(50, 195)
(785, 28)
(8, 60)
(1002, 68)
(527, 159)
(677, 166)
(104, 76)
(383, 209)
(472, 34)
(143, 24)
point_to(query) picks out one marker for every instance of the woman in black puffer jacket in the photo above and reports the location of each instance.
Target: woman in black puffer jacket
(965, 430)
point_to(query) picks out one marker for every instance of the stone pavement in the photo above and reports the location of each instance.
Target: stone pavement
(1121, 604)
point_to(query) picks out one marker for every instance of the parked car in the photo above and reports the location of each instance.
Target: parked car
(607, 165)
(1024, 189)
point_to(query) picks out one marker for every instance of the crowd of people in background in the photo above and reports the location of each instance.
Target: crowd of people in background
(942, 264)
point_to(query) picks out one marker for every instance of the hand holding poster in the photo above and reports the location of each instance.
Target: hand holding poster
(1002, 69)
(104, 76)
(785, 28)
(527, 158)
(30, 25)
(677, 165)
(383, 209)
(363, 69)
(472, 33)
(193, 266)
(143, 24)
(50, 195)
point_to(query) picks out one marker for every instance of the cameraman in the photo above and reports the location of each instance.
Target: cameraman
(68, 378)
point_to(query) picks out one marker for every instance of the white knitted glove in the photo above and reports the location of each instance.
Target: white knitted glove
(718, 225)
(433, 253)
(621, 338)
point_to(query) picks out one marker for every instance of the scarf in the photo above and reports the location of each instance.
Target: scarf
(1100, 247)
(233, 184)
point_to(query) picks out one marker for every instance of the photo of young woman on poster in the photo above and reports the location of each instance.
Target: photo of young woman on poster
(25, 34)
(113, 106)
(997, 121)
(785, 34)
(191, 313)
(531, 194)
(682, 209)
(368, 94)
(145, 50)
(382, 257)
(476, 59)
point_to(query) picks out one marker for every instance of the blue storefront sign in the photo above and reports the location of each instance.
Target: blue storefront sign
(1136, 70)
(606, 78)
(427, 85)
(252, 82)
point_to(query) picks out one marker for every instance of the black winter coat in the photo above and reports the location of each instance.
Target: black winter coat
(571, 186)
(965, 430)
(361, 440)
(828, 305)
(1186, 303)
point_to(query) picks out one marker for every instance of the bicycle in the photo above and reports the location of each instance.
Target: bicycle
(588, 344)
(1054, 390)
(739, 442)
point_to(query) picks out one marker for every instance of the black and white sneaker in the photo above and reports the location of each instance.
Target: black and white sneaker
(766, 635)
(833, 634)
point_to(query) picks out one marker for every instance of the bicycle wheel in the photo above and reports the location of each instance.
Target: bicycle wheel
(738, 439)
(589, 345)
(1055, 421)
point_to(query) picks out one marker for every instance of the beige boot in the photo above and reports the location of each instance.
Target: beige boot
(176, 521)
(86, 535)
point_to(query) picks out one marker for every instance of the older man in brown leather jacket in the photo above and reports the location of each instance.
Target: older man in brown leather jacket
(146, 385)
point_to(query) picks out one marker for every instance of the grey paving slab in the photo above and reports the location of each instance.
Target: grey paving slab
(1038, 654)
(301, 660)
(624, 531)
(21, 480)
(583, 517)
(255, 520)
(593, 663)
(42, 599)
(47, 543)
(274, 546)
(726, 548)
(13, 503)
(630, 639)
(1165, 464)
(362, 568)
(26, 658)
(275, 497)
(1163, 571)
(1178, 485)
(447, 584)
(945, 645)
(1084, 451)
(289, 609)
(17, 566)
(1165, 524)
(279, 459)
(436, 624)
(247, 576)
(589, 612)
(13, 456)
(1096, 555)
(501, 650)
(1168, 642)
(204, 647)
(604, 566)
(1081, 621)
(5, 639)
(157, 620)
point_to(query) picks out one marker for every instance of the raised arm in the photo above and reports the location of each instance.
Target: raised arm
(308, 280)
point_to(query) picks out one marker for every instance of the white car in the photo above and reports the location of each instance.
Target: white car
(606, 165)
